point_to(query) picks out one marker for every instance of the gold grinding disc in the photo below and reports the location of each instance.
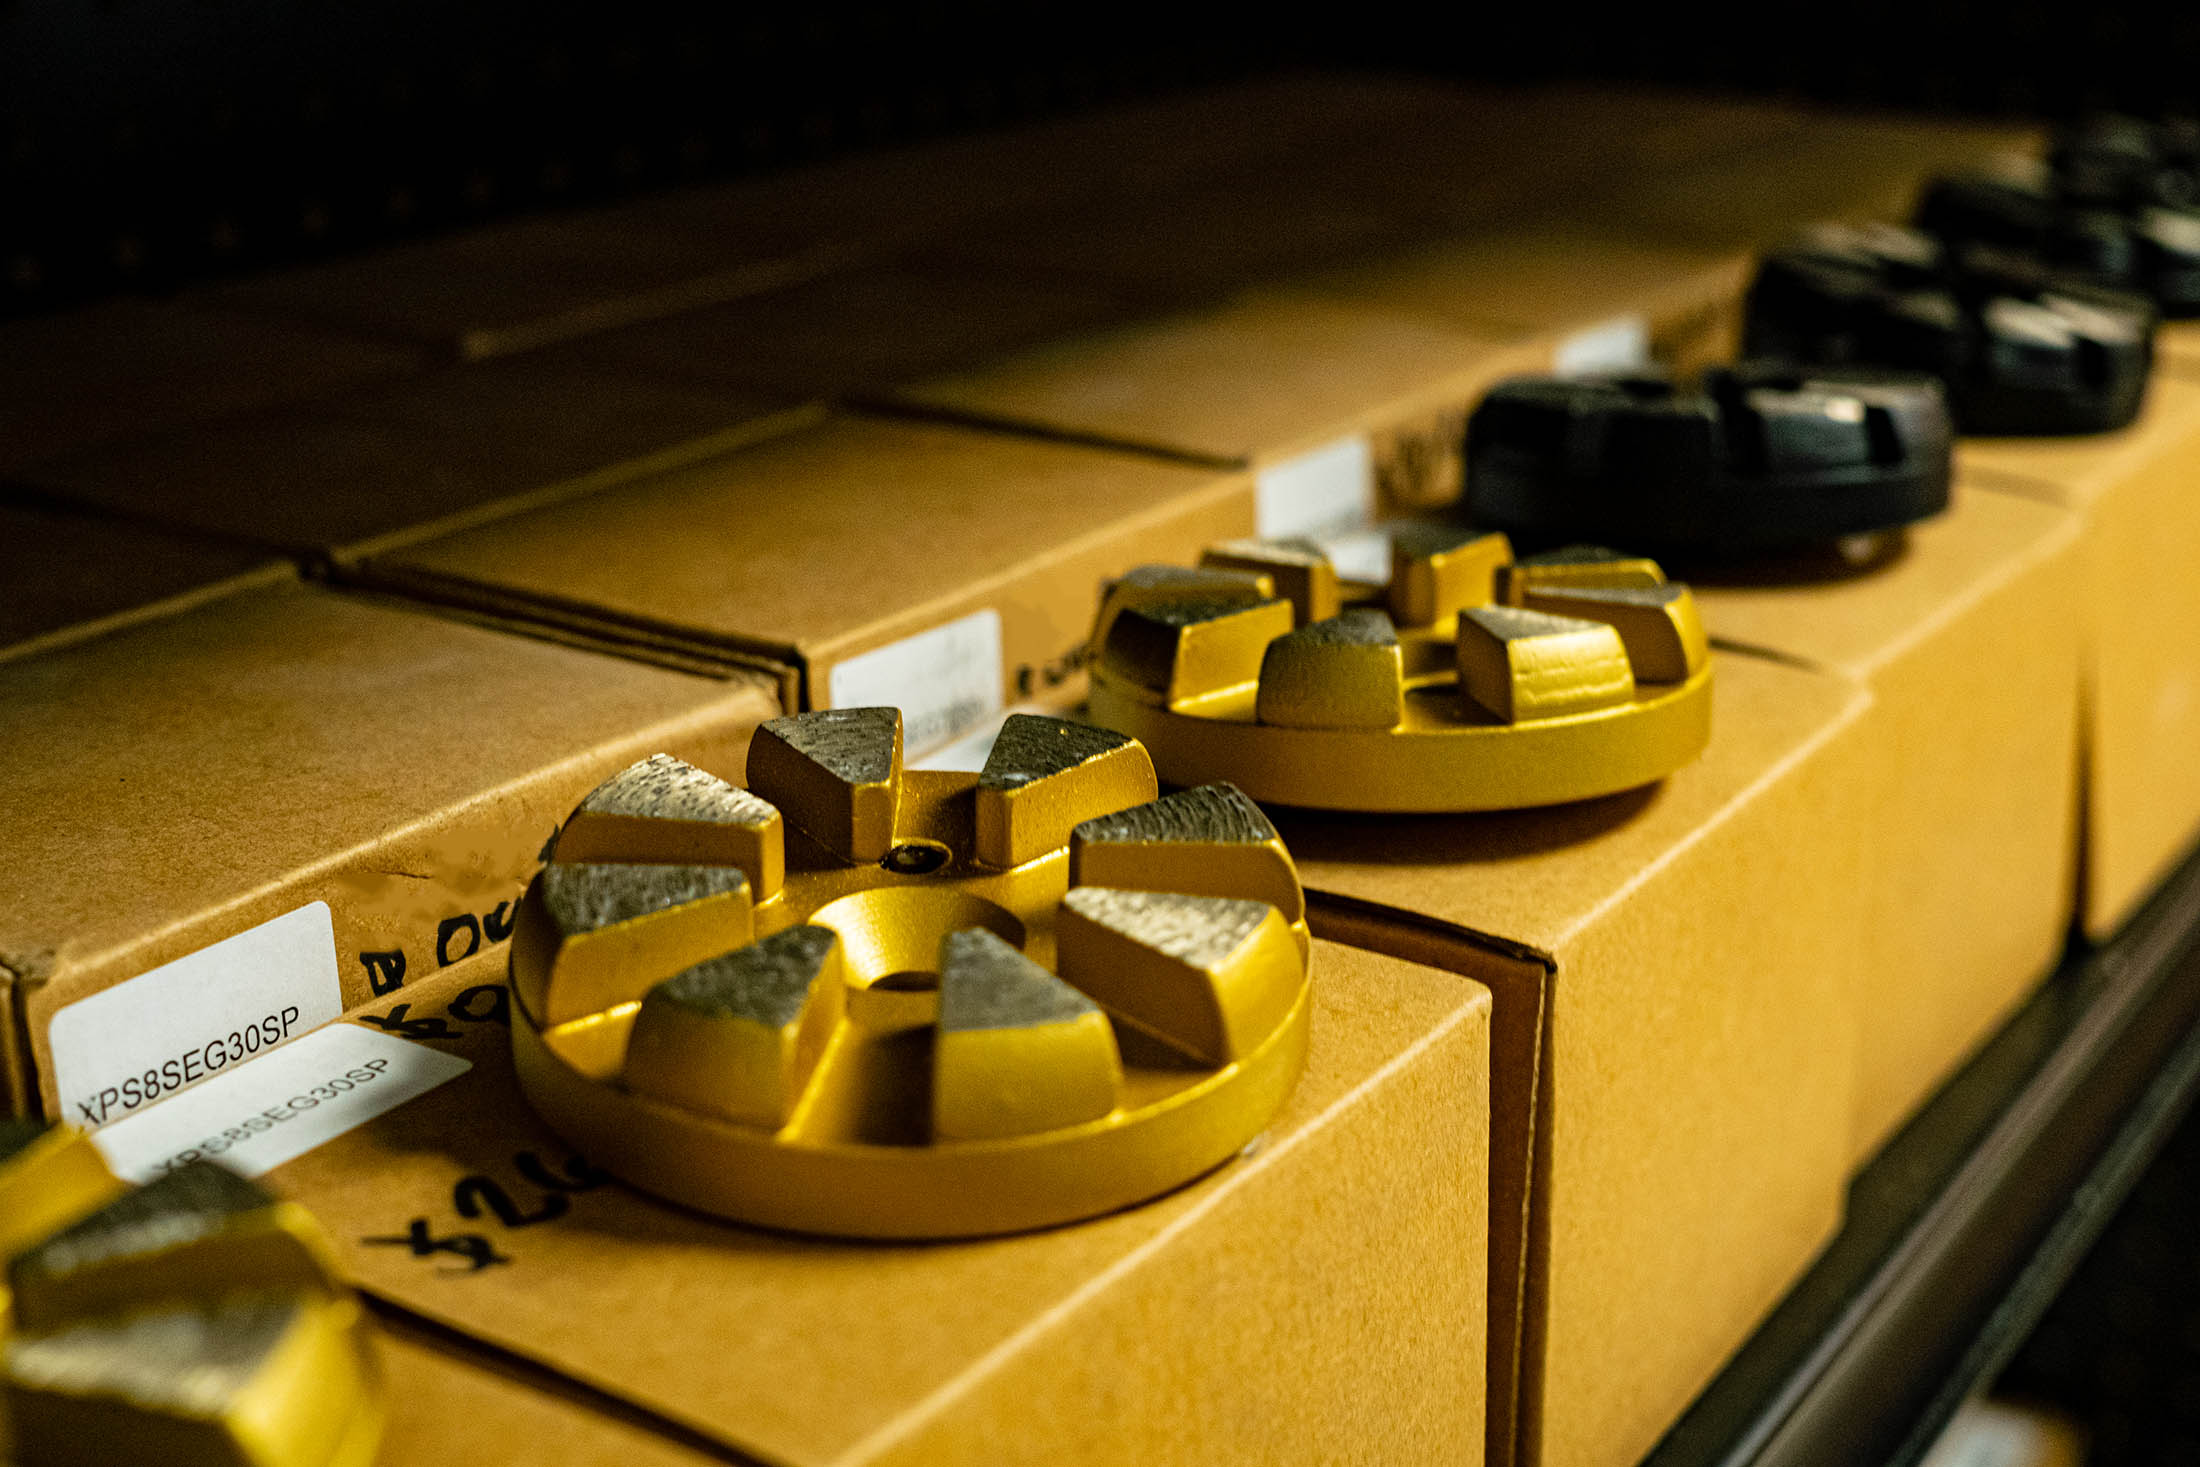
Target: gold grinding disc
(868, 1001)
(1467, 681)
(194, 1321)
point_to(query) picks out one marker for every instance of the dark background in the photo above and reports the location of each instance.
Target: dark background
(146, 144)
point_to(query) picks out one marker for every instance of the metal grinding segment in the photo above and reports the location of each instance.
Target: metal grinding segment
(1758, 459)
(49, 1177)
(195, 1321)
(972, 1004)
(2020, 350)
(1422, 694)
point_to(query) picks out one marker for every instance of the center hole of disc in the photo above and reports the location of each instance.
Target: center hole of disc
(909, 981)
(916, 858)
(890, 935)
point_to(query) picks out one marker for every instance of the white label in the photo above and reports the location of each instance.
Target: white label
(186, 1021)
(1988, 1434)
(1621, 344)
(946, 681)
(968, 754)
(1325, 492)
(1361, 556)
(261, 1115)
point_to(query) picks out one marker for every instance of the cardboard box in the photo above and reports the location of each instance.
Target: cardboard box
(127, 368)
(311, 798)
(1839, 166)
(2177, 348)
(1122, 155)
(1467, 162)
(1673, 1047)
(1963, 632)
(381, 466)
(2139, 612)
(949, 572)
(1179, 248)
(1598, 300)
(1399, 161)
(1317, 1299)
(1334, 408)
(454, 1406)
(69, 576)
(1409, 143)
(514, 286)
(864, 328)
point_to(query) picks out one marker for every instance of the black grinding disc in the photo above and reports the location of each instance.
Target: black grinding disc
(2021, 350)
(1754, 460)
(2150, 247)
(2126, 163)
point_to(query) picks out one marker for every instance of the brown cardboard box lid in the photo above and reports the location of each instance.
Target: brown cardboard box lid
(1318, 1296)
(897, 197)
(1258, 378)
(447, 448)
(1184, 247)
(1480, 160)
(866, 327)
(1856, 618)
(127, 368)
(509, 287)
(1648, 129)
(1549, 277)
(168, 780)
(859, 528)
(70, 576)
(1842, 166)
(2076, 471)
(513, 286)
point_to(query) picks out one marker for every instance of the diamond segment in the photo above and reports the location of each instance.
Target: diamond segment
(1190, 648)
(664, 811)
(602, 932)
(196, 1320)
(1346, 672)
(836, 774)
(1198, 973)
(1524, 665)
(739, 1036)
(198, 1228)
(1044, 776)
(1209, 841)
(1664, 636)
(1018, 1050)
(1300, 569)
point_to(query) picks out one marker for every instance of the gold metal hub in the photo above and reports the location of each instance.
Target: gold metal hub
(867, 1001)
(1467, 681)
(196, 1320)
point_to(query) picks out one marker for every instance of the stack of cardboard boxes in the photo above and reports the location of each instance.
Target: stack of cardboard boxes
(1586, 1084)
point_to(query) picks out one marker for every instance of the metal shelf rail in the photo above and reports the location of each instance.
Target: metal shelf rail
(1964, 1228)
